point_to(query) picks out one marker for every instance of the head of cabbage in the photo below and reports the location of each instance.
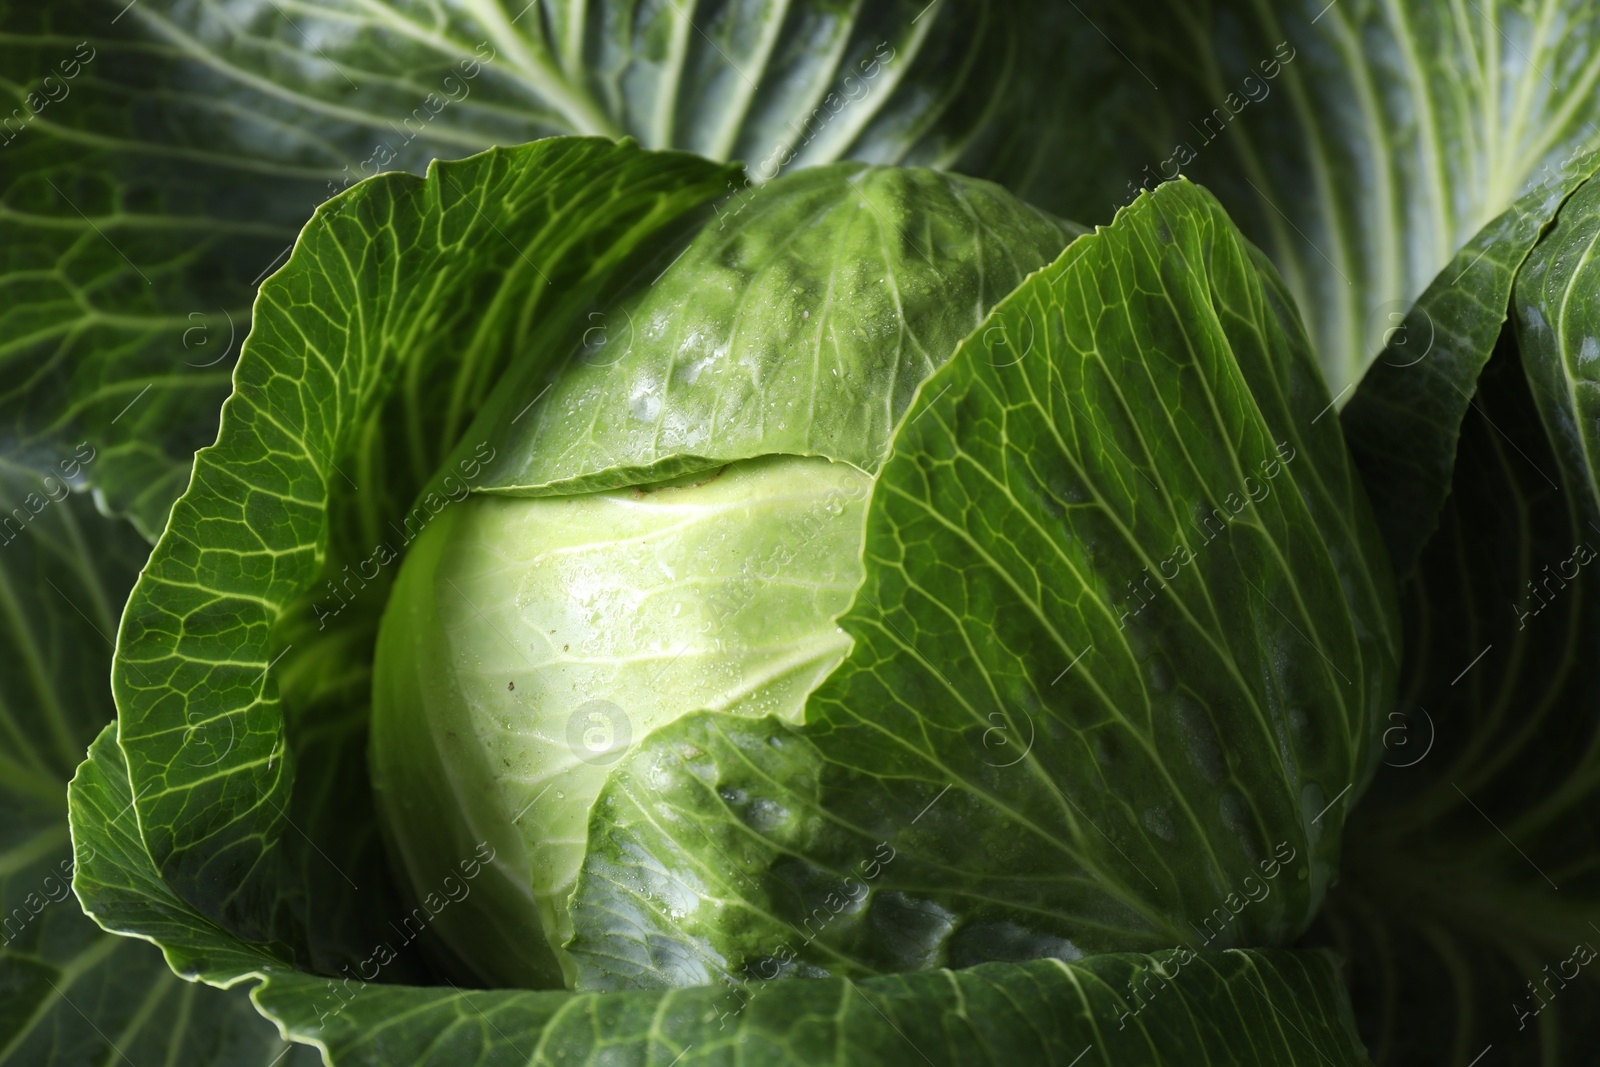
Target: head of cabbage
(678, 521)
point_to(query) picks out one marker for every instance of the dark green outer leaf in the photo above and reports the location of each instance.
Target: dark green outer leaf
(1239, 1007)
(70, 993)
(749, 80)
(1444, 910)
(1470, 906)
(1235, 1007)
(1115, 768)
(184, 144)
(126, 252)
(1404, 419)
(1558, 330)
(1394, 132)
(403, 303)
